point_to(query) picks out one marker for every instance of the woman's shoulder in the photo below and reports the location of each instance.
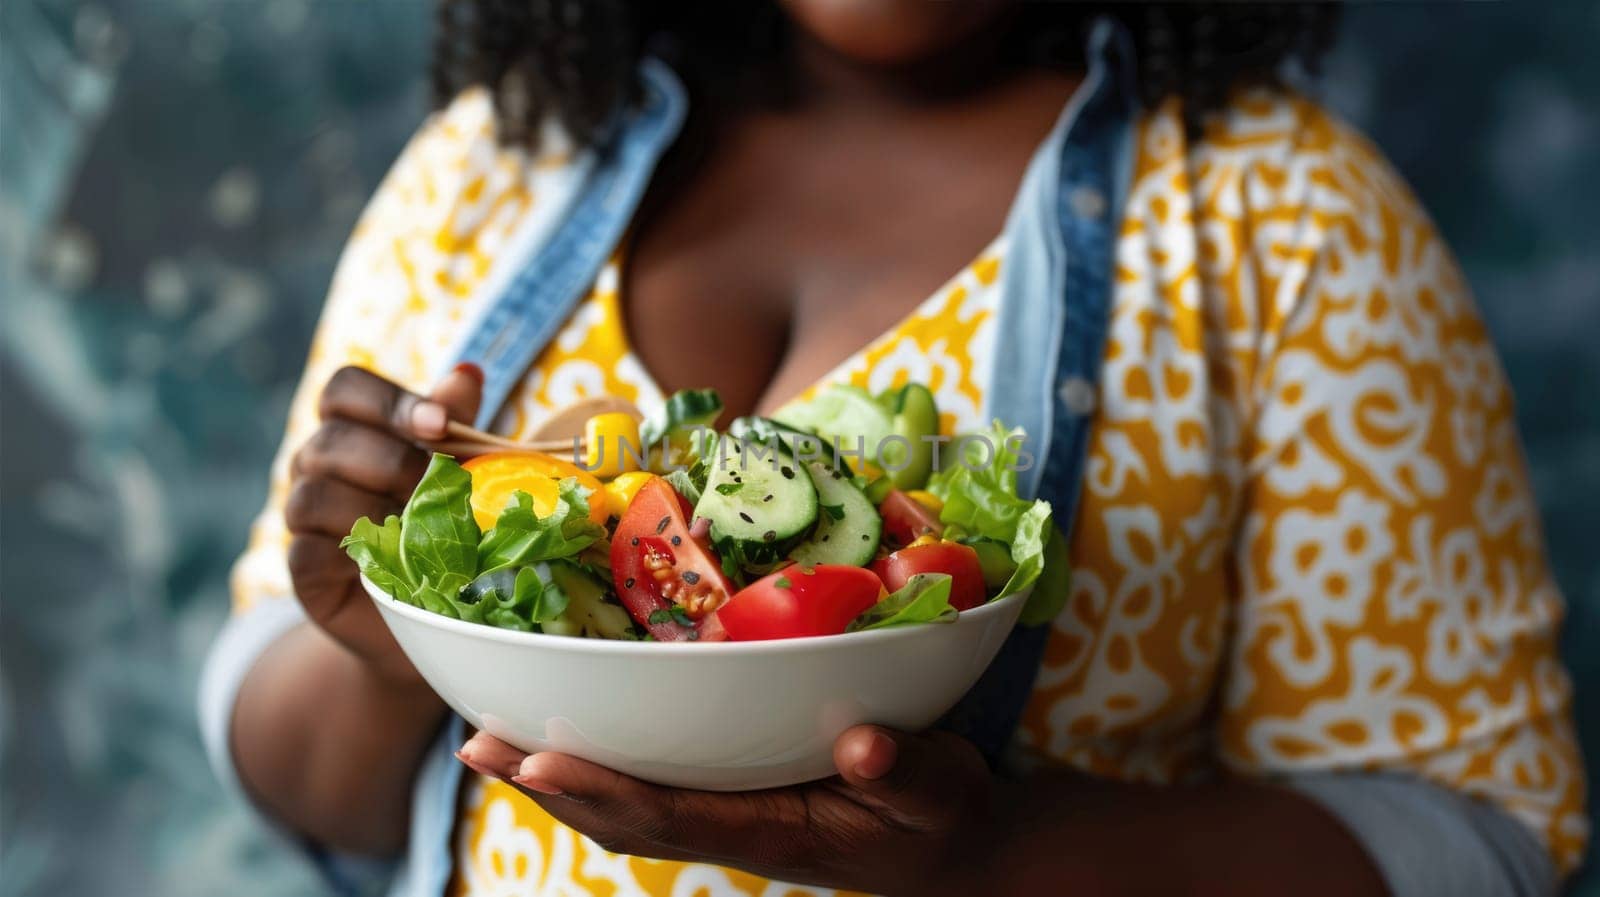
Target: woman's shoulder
(1269, 149)
(1275, 192)
(455, 184)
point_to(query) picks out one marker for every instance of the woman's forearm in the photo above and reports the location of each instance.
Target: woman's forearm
(1230, 838)
(327, 746)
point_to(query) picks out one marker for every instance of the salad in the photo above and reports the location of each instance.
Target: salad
(844, 512)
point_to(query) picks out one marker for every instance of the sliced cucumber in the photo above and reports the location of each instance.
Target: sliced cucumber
(804, 445)
(848, 527)
(916, 418)
(588, 612)
(847, 413)
(756, 495)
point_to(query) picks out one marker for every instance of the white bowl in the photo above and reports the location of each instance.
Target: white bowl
(727, 716)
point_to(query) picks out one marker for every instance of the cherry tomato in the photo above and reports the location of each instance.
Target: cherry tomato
(498, 474)
(666, 576)
(905, 519)
(795, 602)
(960, 561)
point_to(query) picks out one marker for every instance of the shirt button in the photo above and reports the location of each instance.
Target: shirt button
(1087, 202)
(1078, 395)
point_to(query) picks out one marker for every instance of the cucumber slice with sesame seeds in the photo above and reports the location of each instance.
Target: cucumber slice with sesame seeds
(848, 527)
(756, 494)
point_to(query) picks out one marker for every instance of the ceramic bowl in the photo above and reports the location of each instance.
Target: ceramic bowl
(716, 716)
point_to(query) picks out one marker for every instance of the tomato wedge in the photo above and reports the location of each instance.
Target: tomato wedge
(498, 474)
(960, 561)
(905, 519)
(797, 602)
(667, 578)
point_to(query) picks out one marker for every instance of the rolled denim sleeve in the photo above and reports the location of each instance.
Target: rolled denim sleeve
(1430, 841)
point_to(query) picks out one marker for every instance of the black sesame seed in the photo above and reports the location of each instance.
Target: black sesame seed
(627, 583)
(634, 541)
(691, 577)
(663, 524)
(745, 517)
(694, 635)
(677, 540)
(865, 537)
(769, 535)
(787, 471)
(768, 497)
(824, 537)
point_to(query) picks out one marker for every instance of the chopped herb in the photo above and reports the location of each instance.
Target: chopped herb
(694, 635)
(783, 582)
(834, 511)
(729, 488)
(660, 527)
(691, 577)
(660, 616)
(680, 616)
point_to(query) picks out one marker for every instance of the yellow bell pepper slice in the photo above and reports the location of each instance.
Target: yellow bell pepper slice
(613, 446)
(497, 475)
(620, 491)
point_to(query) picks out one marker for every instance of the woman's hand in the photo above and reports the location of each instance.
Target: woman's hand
(907, 814)
(362, 462)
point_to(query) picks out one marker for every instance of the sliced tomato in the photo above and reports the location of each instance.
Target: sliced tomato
(667, 578)
(497, 475)
(960, 561)
(796, 602)
(905, 519)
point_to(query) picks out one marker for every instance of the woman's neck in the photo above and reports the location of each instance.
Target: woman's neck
(826, 79)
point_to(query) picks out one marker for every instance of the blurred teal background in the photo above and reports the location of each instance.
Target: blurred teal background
(176, 179)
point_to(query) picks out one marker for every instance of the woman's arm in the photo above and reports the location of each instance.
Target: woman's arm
(330, 747)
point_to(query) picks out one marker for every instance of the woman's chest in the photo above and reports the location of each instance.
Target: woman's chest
(796, 241)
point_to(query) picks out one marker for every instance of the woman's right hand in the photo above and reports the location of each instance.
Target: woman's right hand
(363, 461)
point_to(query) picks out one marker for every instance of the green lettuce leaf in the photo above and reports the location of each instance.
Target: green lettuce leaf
(925, 598)
(518, 598)
(438, 534)
(1051, 583)
(520, 537)
(376, 550)
(982, 501)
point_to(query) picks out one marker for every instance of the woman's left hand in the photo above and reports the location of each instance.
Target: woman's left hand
(906, 814)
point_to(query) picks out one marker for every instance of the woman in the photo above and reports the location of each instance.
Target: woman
(1309, 643)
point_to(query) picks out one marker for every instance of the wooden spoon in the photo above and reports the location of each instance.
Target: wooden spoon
(555, 435)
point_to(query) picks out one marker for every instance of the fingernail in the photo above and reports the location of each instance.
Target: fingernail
(471, 370)
(878, 758)
(474, 765)
(428, 419)
(534, 784)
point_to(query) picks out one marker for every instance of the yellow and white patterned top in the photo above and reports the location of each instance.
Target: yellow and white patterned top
(1306, 540)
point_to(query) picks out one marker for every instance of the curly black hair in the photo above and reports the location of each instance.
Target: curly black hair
(574, 59)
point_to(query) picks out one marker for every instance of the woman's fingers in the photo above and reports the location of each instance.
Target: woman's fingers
(325, 505)
(922, 782)
(364, 456)
(460, 392)
(359, 395)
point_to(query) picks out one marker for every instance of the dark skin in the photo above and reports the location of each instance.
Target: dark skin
(801, 230)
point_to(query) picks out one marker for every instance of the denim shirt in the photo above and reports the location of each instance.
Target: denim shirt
(1056, 292)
